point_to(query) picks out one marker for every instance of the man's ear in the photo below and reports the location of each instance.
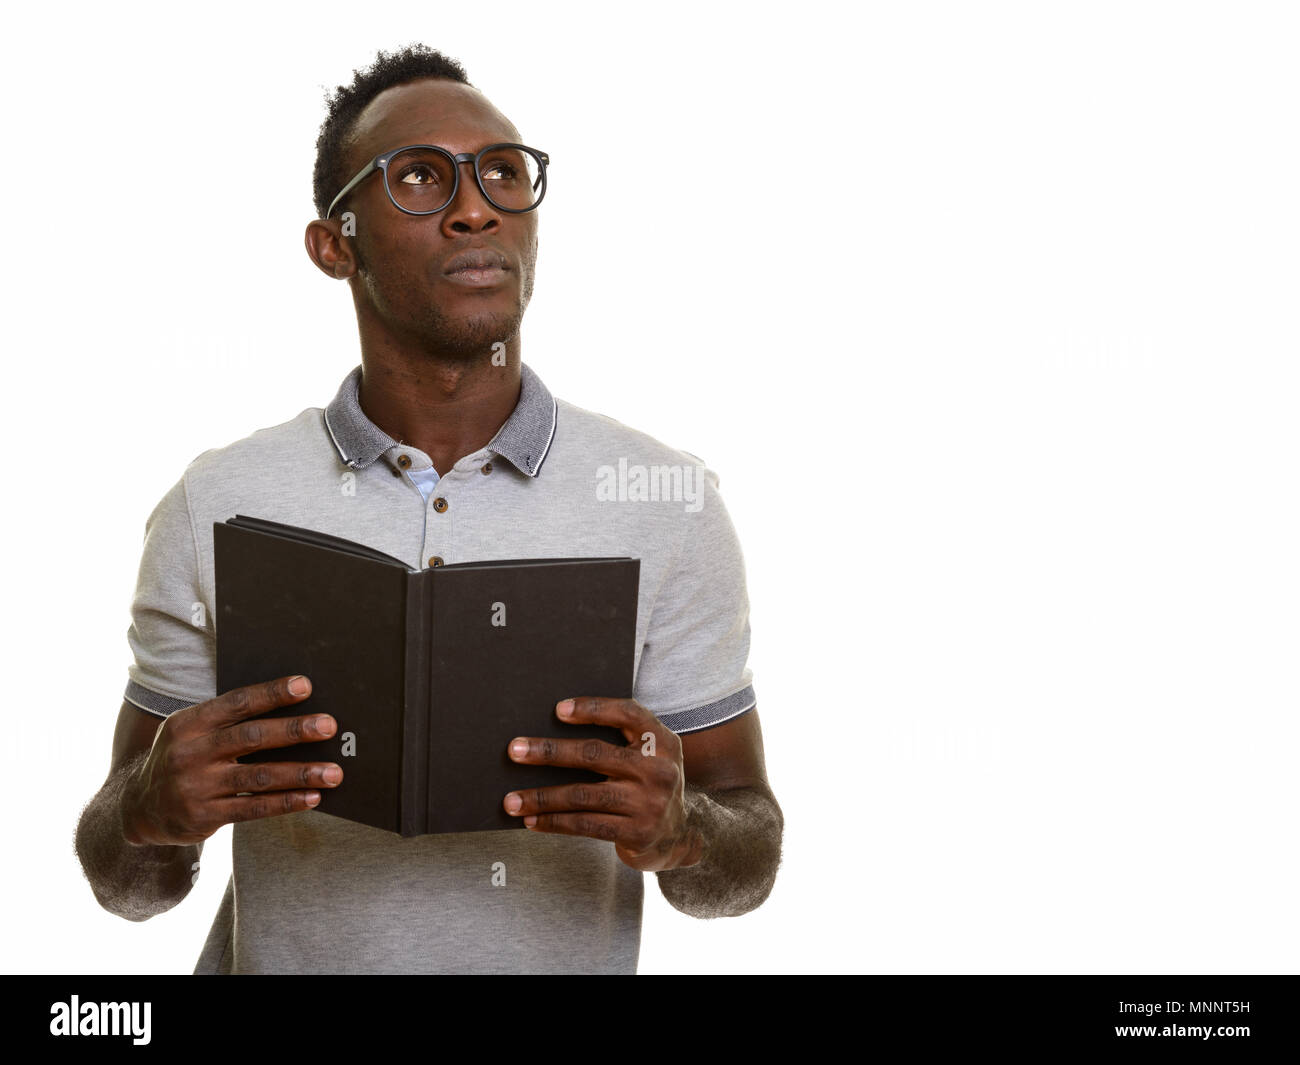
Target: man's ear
(329, 245)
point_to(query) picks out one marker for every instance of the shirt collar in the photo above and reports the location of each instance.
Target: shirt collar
(524, 440)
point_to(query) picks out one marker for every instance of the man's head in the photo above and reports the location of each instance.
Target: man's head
(397, 263)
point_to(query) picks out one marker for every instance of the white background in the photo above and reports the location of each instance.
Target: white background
(984, 313)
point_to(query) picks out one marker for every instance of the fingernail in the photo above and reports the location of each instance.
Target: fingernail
(313, 797)
(519, 748)
(565, 709)
(298, 686)
(324, 724)
(333, 775)
(530, 820)
(514, 803)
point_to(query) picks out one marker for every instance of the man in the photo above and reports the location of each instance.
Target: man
(442, 446)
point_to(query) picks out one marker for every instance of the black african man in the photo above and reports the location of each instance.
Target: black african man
(447, 447)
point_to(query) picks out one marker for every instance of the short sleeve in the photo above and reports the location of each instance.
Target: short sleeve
(171, 633)
(694, 672)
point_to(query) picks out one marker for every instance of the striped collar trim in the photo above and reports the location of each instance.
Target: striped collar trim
(524, 441)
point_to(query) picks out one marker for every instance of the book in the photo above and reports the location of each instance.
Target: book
(429, 673)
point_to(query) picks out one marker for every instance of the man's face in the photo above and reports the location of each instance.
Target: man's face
(402, 284)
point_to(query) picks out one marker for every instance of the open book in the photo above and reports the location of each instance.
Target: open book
(429, 673)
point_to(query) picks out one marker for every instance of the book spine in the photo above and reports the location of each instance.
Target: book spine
(415, 717)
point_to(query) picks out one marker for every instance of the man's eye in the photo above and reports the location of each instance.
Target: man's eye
(501, 172)
(418, 175)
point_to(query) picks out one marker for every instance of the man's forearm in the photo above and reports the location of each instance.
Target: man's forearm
(135, 882)
(739, 834)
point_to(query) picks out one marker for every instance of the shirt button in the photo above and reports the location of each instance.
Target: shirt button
(440, 504)
(404, 461)
(485, 468)
(436, 560)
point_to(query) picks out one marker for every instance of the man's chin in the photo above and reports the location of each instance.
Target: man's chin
(470, 339)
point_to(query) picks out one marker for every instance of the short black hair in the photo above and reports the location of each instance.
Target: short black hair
(348, 101)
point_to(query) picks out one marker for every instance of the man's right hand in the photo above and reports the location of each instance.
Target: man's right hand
(190, 783)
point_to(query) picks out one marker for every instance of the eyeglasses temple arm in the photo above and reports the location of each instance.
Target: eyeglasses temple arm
(364, 173)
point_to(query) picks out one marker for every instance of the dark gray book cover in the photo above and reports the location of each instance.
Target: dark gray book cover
(429, 673)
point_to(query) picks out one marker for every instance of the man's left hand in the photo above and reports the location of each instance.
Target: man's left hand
(641, 808)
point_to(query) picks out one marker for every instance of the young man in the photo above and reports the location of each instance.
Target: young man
(442, 446)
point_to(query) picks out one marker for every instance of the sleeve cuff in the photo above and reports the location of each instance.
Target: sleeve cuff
(154, 702)
(702, 717)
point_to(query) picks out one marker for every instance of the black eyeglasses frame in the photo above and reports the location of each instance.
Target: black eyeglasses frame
(380, 163)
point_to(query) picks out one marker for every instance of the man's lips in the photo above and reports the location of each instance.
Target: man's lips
(477, 268)
(475, 259)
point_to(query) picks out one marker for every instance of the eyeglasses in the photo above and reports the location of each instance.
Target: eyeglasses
(423, 178)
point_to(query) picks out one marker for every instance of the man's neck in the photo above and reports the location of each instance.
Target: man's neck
(446, 408)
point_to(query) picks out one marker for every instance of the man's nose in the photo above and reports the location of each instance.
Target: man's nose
(469, 198)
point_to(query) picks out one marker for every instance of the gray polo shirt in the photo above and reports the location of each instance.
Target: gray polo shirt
(311, 893)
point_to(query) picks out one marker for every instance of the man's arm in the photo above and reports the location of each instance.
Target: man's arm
(174, 782)
(694, 808)
(734, 816)
(135, 882)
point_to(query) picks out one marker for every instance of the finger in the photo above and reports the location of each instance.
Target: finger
(279, 776)
(248, 736)
(270, 804)
(251, 700)
(596, 826)
(649, 860)
(606, 797)
(626, 714)
(639, 725)
(596, 755)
